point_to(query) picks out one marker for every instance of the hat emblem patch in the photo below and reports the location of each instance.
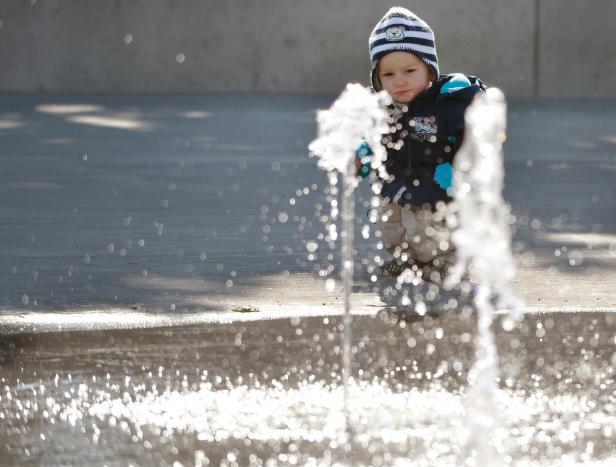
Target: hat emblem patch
(395, 33)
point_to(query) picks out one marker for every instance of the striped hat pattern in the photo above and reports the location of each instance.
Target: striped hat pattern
(401, 29)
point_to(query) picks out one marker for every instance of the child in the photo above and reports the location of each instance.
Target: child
(427, 131)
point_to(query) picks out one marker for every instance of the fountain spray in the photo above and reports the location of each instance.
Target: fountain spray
(357, 115)
(481, 232)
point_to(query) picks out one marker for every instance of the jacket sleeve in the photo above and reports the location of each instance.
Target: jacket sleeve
(460, 102)
(453, 135)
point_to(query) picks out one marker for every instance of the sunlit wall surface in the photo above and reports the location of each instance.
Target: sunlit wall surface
(556, 48)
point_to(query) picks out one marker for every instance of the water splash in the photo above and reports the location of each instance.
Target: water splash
(483, 240)
(357, 115)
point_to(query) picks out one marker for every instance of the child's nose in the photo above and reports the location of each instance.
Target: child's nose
(400, 80)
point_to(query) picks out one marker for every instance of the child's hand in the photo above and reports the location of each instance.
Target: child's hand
(357, 166)
(362, 160)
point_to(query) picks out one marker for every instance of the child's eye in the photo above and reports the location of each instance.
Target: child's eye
(410, 70)
(387, 74)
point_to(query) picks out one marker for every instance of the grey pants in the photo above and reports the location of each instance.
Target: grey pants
(416, 235)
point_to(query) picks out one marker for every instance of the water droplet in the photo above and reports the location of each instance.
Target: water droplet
(141, 242)
(575, 258)
(584, 371)
(84, 157)
(283, 217)
(508, 324)
(128, 39)
(330, 285)
(110, 248)
(180, 58)
(25, 299)
(312, 246)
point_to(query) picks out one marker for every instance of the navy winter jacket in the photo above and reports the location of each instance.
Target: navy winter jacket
(428, 134)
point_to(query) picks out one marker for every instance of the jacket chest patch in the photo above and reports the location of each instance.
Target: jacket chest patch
(423, 129)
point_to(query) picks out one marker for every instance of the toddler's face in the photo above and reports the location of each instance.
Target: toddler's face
(403, 75)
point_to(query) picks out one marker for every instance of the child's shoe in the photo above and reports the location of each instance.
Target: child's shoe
(437, 271)
(436, 275)
(394, 267)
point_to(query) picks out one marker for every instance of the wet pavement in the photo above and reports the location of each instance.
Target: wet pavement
(269, 393)
(135, 225)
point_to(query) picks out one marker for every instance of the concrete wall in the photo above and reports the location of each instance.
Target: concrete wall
(527, 47)
(577, 48)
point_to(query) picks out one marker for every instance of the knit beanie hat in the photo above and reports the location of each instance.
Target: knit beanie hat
(401, 29)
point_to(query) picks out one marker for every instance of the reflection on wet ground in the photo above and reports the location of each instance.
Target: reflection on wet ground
(269, 393)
